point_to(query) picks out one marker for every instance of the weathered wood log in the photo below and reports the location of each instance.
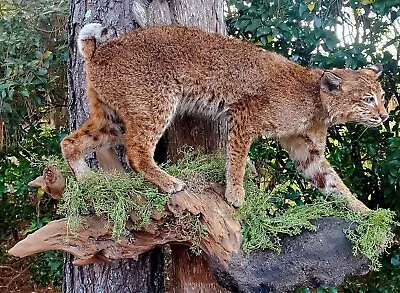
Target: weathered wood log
(52, 181)
(94, 235)
(319, 259)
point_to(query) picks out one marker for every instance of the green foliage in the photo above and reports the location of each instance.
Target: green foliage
(386, 280)
(32, 52)
(277, 172)
(23, 209)
(197, 233)
(18, 202)
(111, 195)
(330, 34)
(47, 268)
(369, 162)
(193, 164)
(323, 33)
(263, 222)
(114, 196)
(372, 234)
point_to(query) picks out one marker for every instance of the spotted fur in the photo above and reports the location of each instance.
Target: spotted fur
(139, 82)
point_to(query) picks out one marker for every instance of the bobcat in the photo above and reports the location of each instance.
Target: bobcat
(137, 83)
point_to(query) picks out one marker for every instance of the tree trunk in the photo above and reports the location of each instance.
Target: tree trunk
(209, 135)
(191, 273)
(123, 276)
(145, 274)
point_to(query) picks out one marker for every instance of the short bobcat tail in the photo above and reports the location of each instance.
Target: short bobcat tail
(92, 35)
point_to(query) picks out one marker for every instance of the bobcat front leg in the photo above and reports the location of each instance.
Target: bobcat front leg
(307, 151)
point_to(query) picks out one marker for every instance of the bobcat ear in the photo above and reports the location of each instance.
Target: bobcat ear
(374, 70)
(330, 81)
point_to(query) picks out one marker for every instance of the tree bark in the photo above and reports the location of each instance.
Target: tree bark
(123, 276)
(191, 273)
(145, 274)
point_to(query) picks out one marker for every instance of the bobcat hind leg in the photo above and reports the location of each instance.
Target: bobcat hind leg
(141, 137)
(92, 135)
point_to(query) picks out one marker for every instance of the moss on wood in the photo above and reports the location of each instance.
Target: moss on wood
(115, 196)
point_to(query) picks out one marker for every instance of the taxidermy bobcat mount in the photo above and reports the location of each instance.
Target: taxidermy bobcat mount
(137, 83)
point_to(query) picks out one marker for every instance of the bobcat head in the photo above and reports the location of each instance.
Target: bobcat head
(353, 95)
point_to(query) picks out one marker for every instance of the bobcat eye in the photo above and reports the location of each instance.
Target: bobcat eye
(370, 99)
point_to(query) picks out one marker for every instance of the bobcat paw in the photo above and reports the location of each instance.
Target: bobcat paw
(235, 195)
(175, 185)
(358, 206)
(80, 169)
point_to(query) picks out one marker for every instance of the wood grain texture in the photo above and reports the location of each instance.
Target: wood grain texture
(92, 240)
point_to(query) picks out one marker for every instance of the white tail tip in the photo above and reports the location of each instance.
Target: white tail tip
(96, 32)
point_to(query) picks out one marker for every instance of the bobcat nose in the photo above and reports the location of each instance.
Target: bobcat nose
(384, 117)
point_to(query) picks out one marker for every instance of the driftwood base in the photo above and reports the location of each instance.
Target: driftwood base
(318, 259)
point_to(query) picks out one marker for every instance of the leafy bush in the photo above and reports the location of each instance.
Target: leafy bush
(24, 209)
(33, 50)
(18, 201)
(47, 268)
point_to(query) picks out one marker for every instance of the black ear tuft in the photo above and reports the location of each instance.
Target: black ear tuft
(330, 81)
(376, 70)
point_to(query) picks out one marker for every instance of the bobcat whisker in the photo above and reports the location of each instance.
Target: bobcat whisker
(362, 133)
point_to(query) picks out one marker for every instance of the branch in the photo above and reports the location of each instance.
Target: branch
(319, 259)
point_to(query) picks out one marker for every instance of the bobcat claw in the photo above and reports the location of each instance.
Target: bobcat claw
(237, 203)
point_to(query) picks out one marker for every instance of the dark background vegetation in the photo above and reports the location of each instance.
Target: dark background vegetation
(321, 33)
